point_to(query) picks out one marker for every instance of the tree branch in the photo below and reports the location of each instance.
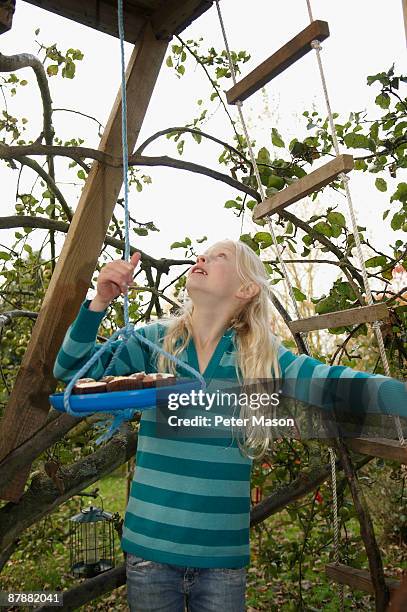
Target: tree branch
(162, 264)
(79, 153)
(43, 496)
(10, 63)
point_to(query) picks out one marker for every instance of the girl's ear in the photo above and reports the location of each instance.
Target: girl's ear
(248, 291)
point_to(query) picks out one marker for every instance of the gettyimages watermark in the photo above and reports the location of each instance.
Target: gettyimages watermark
(291, 407)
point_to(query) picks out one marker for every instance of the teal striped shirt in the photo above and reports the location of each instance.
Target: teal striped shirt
(189, 503)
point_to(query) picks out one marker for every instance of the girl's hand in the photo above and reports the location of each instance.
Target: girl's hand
(114, 279)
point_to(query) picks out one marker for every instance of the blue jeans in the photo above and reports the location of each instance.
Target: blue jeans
(163, 587)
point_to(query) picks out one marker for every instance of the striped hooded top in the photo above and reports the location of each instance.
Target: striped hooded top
(189, 502)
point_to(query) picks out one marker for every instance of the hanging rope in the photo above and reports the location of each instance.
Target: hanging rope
(345, 179)
(128, 330)
(239, 105)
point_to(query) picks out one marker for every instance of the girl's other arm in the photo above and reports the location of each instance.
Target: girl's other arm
(318, 384)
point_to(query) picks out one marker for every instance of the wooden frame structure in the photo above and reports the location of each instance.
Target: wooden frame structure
(149, 25)
(7, 8)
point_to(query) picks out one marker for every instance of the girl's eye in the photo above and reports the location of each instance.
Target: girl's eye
(223, 254)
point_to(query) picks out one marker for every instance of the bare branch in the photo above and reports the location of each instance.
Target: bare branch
(163, 264)
(10, 63)
(79, 153)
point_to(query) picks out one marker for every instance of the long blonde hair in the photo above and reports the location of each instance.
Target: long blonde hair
(256, 345)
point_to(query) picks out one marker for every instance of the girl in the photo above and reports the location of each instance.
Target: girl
(186, 529)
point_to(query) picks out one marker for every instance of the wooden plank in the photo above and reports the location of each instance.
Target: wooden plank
(361, 314)
(98, 15)
(167, 18)
(304, 186)
(357, 579)
(282, 59)
(6, 15)
(174, 16)
(379, 447)
(28, 406)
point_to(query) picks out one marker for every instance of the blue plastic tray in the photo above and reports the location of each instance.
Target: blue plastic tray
(114, 401)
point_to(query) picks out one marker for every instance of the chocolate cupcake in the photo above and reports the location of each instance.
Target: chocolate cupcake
(124, 383)
(82, 388)
(165, 380)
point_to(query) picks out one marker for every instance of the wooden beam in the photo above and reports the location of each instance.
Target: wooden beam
(357, 579)
(100, 15)
(7, 8)
(379, 447)
(404, 6)
(174, 16)
(170, 18)
(28, 405)
(282, 59)
(351, 316)
(304, 186)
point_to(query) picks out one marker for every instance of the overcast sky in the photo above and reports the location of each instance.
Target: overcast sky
(366, 37)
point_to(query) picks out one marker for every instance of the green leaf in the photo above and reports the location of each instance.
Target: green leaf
(232, 204)
(68, 71)
(5, 256)
(263, 239)
(200, 240)
(374, 262)
(397, 221)
(383, 100)
(357, 141)
(169, 62)
(360, 164)
(400, 194)
(299, 296)
(323, 227)
(247, 239)
(52, 69)
(336, 218)
(140, 231)
(381, 184)
(81, 174)
(276, 138)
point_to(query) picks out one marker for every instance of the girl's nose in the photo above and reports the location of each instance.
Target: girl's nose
(201, 258)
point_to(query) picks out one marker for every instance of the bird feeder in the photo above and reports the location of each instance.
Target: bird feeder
(91, 542)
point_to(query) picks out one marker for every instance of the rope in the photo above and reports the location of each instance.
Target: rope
(128, 330)
(336, 521)
(239, 105)
(125, 154)
(345, 179)
(316, 45)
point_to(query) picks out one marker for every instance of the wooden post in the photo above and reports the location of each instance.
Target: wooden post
(404, 3)
(28, 406)
(7, 8)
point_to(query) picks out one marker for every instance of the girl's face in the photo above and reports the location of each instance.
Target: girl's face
(214, 275)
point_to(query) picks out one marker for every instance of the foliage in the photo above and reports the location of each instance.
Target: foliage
(287, 549)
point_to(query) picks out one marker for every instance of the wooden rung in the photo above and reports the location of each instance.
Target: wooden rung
(357, 579)
(304, 186)
(361, 314)
(278, 62)
(379, 447)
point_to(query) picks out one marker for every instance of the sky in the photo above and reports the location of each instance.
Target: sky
(366, 37)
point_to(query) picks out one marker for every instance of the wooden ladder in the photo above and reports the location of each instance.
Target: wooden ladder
(357, 579)
(316, 180)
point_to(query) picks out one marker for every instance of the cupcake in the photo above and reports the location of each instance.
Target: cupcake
(107, 379)
(124, 383)
(165, 380)
(89, 387)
